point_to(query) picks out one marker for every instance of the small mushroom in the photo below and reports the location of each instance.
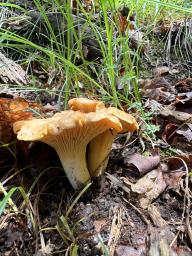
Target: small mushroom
(100, 146)
(68, 132)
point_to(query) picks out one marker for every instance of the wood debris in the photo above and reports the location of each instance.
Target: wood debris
(11, 72)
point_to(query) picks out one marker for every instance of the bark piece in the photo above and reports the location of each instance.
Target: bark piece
(11, 72)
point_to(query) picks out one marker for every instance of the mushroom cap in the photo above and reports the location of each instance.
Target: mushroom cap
(128, 122)
(85, 105)
(43, 129)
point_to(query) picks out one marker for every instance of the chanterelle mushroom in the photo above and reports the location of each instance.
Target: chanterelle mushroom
(100, 146)
(69, 132)
(85, 105)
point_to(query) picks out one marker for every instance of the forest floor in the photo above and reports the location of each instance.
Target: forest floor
(141, 205)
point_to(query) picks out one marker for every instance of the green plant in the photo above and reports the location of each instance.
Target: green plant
(148, 129)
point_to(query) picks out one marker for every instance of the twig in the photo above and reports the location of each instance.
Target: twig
(115, 230)
(137, 210)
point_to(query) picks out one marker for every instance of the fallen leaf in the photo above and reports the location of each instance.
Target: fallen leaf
(176, 116)
(184, 85)
(159, 94)
(174, 172)
(153, 106)
(161, 71)
(178, 136)
(12, 110)
(142, 164)
(122, 23)
(187, 159)
(158, 82)
(186, 131)
(158, 89)
(138, 40)
(168, 132)
(149, 187)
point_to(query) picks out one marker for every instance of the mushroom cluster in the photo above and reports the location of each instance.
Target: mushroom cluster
(81, 136)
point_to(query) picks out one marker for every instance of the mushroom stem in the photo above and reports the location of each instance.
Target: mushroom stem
(98, 152)
(75, 167)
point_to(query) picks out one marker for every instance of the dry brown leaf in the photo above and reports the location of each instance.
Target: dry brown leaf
(158, 89)
(186, 131)
(176, 116)
(159, 94)
(154, 183)
(178, 136)
(138, 40)
(12, 110)
(173, 171)
(161, 71)
(168, 132)
(122, 23)
(141, 163)
(184, 85)
(158, 82)
(149, 187)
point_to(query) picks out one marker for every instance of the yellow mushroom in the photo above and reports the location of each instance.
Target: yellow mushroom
(100, 146)
(85, 105)
(69, 132)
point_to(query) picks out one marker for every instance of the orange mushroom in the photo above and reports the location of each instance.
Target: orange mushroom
(69, 132)
(100, 146)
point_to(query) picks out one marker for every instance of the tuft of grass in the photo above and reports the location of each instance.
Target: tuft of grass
(63, 49)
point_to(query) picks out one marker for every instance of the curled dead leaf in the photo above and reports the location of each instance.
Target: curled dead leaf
(142, 164)
(174, 171)
(178, 136)
(168, 132)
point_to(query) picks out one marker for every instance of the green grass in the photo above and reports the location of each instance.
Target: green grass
(62, 54)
